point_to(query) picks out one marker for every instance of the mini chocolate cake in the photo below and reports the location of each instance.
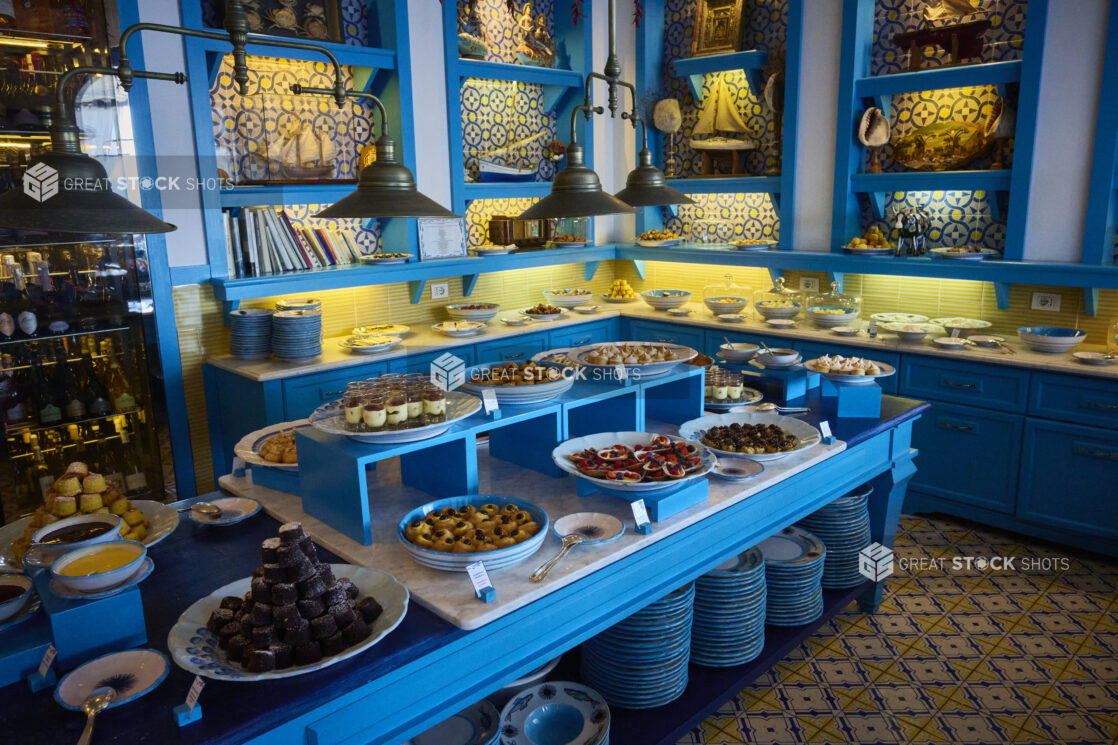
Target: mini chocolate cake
(291, 533)
(218, 619)
(228, 631)
(311, 588)
(235, 648)
(370, 609)
(356, 631)
(331, 645)
(311, 607)
(275, 573)
(268, 550)
(284, 593)
(261, 591)
(308, 654)
(322, 627)
(258, 572)
(264, 636)
(307, 545)
(298, 634)
(334, 595)
(288, 556)
(260, 661)
(261, 614)
(284, 655)
(326, 574)
(283, 616)
(343, 614)
(350, 589)
(300, 572)
(232, 603)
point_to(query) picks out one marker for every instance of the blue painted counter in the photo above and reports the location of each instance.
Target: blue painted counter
(410, 680)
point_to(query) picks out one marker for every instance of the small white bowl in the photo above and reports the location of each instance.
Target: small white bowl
(43, 534)
(1093, 358)
(984, 340)
(579, 296)
(910, 336)
(781, 323)
(460, 312)
(585, 310)
(100, 580)
(845, 330)
(949, 342)
(777, 356)
(515, 320)
(730, 317)
(741, 351)
(14, 605)
(679, 311)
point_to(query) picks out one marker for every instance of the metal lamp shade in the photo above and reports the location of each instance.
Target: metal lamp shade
(386, 189)
(576, 192)
(66, 192)
(646, 186)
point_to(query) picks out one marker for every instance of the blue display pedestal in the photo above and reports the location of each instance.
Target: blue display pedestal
(851, 401)
(790, 383)
(22, 648)
(662, 503)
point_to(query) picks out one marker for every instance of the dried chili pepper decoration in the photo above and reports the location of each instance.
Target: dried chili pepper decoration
(511, 5)
(638, 12)
(576, 11)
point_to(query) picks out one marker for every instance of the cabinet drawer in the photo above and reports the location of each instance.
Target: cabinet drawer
(514, 349)
(422, 362)
(1074, 399)
(667, 333)
(968, 456)
(810, 350)
(580, 336)
(1068, 477)
(988, 386)
(304, 394)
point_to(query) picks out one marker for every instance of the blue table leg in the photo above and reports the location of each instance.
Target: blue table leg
(529, 443)
(885, 510)
(448, 469)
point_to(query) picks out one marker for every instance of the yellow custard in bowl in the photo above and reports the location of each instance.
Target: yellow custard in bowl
(100, 566)
(97, 562)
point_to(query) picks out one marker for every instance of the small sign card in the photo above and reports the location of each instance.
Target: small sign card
(489, 400)
(441, 239)
(47, 661)
(640, 517)
(483, 586)
(194, 692)
(621, 372)
(825, 428)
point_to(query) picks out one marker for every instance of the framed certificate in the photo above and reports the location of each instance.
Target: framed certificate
(441, 239)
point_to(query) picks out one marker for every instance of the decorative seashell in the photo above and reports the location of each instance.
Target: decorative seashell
(873, 131)
(1002, 120)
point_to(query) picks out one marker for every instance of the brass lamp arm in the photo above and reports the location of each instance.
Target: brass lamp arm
(299, 89)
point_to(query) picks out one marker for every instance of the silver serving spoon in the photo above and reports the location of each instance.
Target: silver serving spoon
(94, 705)
(569, 542)
(205, 509)
(768, 406)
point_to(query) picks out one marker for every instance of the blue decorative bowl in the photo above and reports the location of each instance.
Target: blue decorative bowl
(665, 299)
(1050, 339)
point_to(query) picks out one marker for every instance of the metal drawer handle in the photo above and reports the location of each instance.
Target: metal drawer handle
(511, 356)
(1093, 453)
(330, 394)
(1099, 405)
(581, 341)
(666, 340)
(953, 384)
(956, 427)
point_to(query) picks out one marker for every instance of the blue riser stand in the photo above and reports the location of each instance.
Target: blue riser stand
(619, 413)
(529, 442)
(21, 649)
(675, 401)
(791, 384)
(662, 503)
(443, 470)
(851, 401)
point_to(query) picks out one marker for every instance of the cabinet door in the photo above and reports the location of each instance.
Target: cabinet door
(667, 333)
(1070, 477)
(422, 362)
(513, 349)
(975, 384)
(810, 350)
(306, 393)
(581, 335)
(968, 455)
(1075, 399)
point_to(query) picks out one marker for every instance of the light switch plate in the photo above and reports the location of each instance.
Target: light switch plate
(440, 290)
(1049, 301)
(809, 284)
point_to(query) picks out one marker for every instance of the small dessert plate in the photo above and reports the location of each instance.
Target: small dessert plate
(585, 309)
(511, 320)
(730, 317)
(130, 673)
(594, 527)
(781, 323)
(1095, 358)
(984, 340)
(737, 469)
(233, 511)
(679, 311)
(845, 330)
(950, 342)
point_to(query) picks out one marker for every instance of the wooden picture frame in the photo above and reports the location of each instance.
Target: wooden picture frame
(718, 26)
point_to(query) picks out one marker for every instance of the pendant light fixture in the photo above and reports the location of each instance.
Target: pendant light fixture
(576, 191)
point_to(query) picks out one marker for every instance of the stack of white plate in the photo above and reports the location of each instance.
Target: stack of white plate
(302, 303)
(475, 725)
(794, 561)
(729, 624)
(641, 662)
(555, 713)
(250, 333)
(296, 335)
(844, 527)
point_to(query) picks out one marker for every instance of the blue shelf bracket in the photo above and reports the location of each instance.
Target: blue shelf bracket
(884, 101)
(1001, 295)
(756, 85)
(227, 307)
(696, 83)
(774, 197)
(553, 95)
(468, 282)
(415, 290)
(877, 203)
(775, 274)
(994, 200)
(671, 209)
(1091, 301)
(591, 268)
(639, 267)
(213, 66)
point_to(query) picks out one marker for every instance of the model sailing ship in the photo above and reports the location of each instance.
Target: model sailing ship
(295, 152)
(720, 114)
(508, 163)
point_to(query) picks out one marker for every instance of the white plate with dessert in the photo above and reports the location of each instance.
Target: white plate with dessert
(639, 358)
(457, 329)
(432, 418)
(842, 370)
(370, 344)
(757, 436)
(634, 461)
(273, 446)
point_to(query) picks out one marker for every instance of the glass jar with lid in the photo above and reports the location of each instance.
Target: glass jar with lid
(834, 308)
(726, 297)
(778, 302)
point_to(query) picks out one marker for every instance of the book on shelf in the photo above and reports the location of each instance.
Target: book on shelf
(265, 240)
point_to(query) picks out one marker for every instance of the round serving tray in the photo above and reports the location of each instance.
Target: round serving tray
(330, 418)
(645, 371)
(807, 434)
(603, 440)
(518, 395)
(248, 448)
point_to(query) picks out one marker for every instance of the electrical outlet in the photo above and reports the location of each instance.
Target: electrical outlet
(809, 284)
(440, 290)
(1049, 301)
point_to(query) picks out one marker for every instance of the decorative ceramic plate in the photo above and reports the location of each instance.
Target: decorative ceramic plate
(457, 329)
(748, 396)
(233, 511)
(518, 395)
(474, 725)
(585, 310)
(512, 320)
(559, 712)
(330, 418)
(737, 469)
(493, 250)
(358, 347)
(567, 244)
(899, 318)
(658, 244)
(594, 527)
(604, 440)
(854, 250)
(194, 647)
(755, 246)
(965, 325)
(807, 435)
(131, 673)
(248, 449)
(560, 357)
(648, 369)
(147, 566)
(850, 378)
(499, 559)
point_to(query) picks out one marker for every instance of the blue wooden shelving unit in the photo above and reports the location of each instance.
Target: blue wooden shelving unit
(859, 90)
(382, 66)
(650, 69)
(562, 90)
(1102, 202)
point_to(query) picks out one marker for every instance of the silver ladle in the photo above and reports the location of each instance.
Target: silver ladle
(205, 509)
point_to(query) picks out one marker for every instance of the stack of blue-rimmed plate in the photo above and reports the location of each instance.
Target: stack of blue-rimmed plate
(794, 561)
(844, 527)
(299, 303)
(729, 624)
(250, 333)
(642, 661)
(296, 335)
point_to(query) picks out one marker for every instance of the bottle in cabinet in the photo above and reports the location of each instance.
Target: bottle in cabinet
(49, 399)
(14, 394)
(98, 400)
(73, 401)
(135, 480)
(120, 390)
(39, 476)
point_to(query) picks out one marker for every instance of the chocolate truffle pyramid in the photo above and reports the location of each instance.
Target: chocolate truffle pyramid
(295, 613)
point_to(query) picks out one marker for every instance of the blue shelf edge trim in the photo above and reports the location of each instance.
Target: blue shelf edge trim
(727, 185)
(190, 275)
(694, 68)
(990, 73)
(998, 180)
(347, 54)
(279, 194)
(511, 190)
(520, 73)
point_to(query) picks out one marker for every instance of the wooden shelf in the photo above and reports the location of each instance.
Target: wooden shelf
(694, 68)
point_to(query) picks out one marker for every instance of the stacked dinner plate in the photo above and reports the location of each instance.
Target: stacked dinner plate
(642, 661)
(296, 334)
(250, 333)
(844, 527)
(794, 561)
(729, 624)
(301, 303)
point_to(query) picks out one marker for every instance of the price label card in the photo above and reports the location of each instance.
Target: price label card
(479, 577)
(640, 512)
(621, 372)
(825, 428)
(194, 692)
(47, 661)
(489, 400)
(955, 333)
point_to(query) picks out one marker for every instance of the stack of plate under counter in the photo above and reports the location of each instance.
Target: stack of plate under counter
(729, 625)
(642, 661)
(844, 527)
(794, 561)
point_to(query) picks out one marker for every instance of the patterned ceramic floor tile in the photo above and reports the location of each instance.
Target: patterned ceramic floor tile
(807, 699)
(903, 698)
(971, 727)
(1071, 727)
(769, 729)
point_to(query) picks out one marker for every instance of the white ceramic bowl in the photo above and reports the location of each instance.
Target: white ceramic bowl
(43, 534)
(585, 310)
(504, 695)
(777, 356)
(14, 605)
(966, 326)
(1051, 339)
(460, 312)
(463, 328)
(679, 312)
(100, 580)
(517, 395)
(734, 304)
(781, 323)
(741, 351)
(768, 312)
(845, 330)
(582, 297)
(911, 336)
(665, 299)
(830, 320)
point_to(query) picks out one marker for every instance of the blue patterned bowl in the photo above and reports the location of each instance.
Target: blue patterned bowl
(1051, 339)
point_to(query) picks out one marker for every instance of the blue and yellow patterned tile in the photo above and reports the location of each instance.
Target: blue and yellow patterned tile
(799, 671)
(871, 647)
(884, 671)
(929, 670)
(1053, 622)
(902, 698)
(1107, 721)
(1023, 730)
(953, 646)
(971, 727)
(861, 626)
(943, 625)
(1072, 727)
(719, 729)
(1023, 669)
(826, 648)
(760, 699)
(837, 672)
(855, 699)
(920, 730)
(1094, 668)
(776, 729)
(808, 698)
